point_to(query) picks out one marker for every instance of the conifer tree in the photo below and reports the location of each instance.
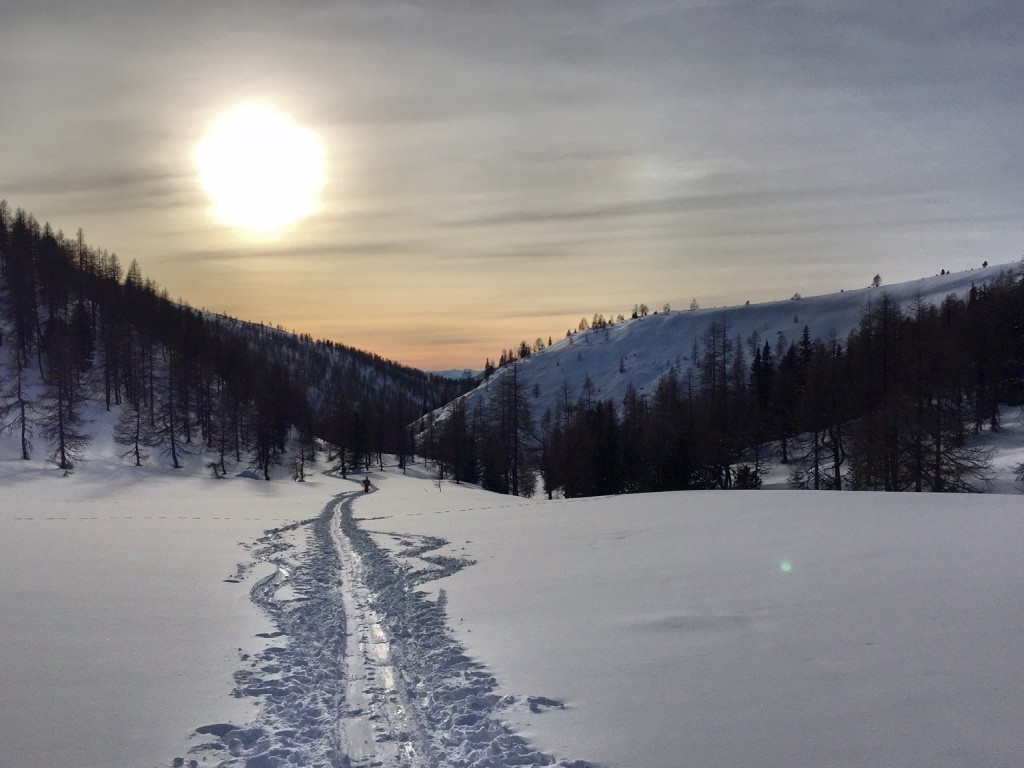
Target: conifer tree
(15, 405)
(60, 413)
(133, 431)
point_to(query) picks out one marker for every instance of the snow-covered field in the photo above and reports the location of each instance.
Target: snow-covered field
(743, 628)
(120, 627)
(705, 628)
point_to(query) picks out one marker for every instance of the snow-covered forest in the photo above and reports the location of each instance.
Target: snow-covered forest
(876, 389)
(78, 329)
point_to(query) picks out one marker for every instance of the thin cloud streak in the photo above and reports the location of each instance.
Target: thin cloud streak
(733, 201)
(155, 187)
(274, 252)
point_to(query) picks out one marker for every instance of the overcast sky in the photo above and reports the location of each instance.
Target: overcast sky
(496, 170)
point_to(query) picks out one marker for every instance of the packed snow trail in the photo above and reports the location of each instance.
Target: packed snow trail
(453, 698)
(377, 726)
(300, 675)
(363, 671)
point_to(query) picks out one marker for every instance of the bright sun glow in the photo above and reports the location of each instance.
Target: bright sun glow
(261, 170)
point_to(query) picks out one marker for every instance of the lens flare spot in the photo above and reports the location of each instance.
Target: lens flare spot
(785, 566)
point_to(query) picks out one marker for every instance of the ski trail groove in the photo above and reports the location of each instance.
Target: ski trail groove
(299, 678)
(453, 698)
(378, 726)
(363, 671)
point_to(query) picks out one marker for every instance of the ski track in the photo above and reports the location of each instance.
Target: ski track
(378, 727)
(362, 671)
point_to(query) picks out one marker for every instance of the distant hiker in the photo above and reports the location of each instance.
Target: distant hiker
(366, 485)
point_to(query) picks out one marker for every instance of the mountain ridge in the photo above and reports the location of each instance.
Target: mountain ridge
(639, 351)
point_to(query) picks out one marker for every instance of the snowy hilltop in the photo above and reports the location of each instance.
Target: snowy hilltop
(639, 351)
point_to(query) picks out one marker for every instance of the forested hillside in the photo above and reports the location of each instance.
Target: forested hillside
(877, 389)
(75, 329)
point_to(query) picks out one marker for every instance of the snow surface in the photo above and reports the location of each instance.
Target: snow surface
(149, 614)
(122, 608)
(739, 628)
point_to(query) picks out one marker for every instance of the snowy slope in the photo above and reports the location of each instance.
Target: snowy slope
(642, 350)
(737, 628)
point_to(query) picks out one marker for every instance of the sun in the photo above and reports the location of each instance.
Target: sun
(261, 170)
